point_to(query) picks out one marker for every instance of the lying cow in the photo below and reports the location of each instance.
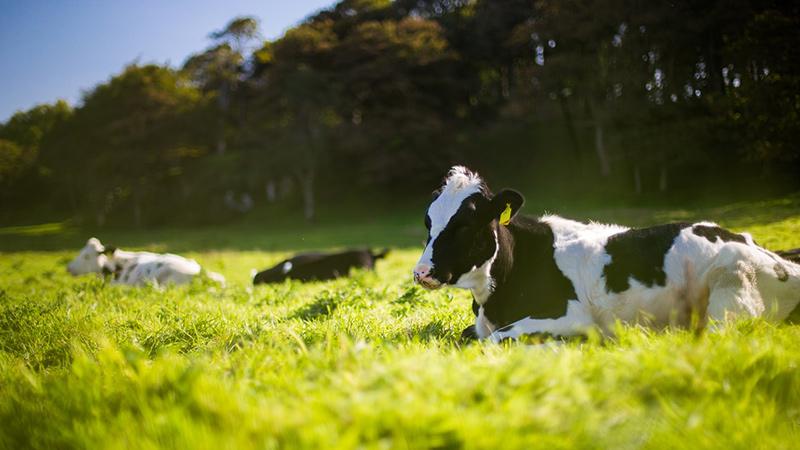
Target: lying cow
(555, 276)
(319, 266)
(137, 268)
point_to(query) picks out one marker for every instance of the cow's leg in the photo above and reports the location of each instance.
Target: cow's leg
(469, 333)
(575, 322)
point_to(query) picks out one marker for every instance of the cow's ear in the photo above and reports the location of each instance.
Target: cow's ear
(506, 204)
(109, 250)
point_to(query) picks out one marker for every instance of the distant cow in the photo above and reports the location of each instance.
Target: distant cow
(555, 276)
(319, 266)
(137, 268)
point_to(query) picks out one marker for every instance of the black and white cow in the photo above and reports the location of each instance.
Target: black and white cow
(319, 266)
(137, 268)
(550, 275)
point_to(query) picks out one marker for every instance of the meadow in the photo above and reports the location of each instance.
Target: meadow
(368, 361)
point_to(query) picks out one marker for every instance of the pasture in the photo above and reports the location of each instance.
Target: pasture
(369, 361)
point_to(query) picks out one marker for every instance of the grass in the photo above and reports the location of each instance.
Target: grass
(367, 361)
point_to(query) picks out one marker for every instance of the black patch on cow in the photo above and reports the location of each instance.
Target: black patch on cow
(712, 233)
(790, 255)
(528, 283)
(639, 254)
(125, 272)
(781, 272)
(319, 266)
(159, 265)
(475, 307)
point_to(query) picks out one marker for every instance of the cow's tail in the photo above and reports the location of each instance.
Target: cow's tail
(792, 255)
(215, 277)
(381, 254)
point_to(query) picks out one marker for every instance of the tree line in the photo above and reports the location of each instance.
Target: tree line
(634, 96)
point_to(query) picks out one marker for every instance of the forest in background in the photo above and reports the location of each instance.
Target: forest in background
(592, 99)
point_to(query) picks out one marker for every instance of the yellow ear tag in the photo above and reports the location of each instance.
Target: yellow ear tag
(505, 216)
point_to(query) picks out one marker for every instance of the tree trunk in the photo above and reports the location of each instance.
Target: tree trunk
(307, 186)
(505, 82)
(72, 198)
(600, 148)
(223, 103)
(221, 144)
(570, 123)
(137, 213)
(599, 142)
(637, 180)
(714, 66)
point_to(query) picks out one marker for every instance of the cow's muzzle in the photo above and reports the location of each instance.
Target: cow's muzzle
(424, 277)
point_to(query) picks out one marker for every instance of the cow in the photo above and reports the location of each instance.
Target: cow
(552, 276)
(137, 268)
(319, 266)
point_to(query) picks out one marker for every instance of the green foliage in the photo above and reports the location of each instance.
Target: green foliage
(24, 141)
(131, 137)
(12, 161)
(369, 361)
(631, 97)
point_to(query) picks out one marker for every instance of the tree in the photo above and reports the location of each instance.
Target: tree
(25, 136)
(297, 110)
(130, 136)
(221, 69)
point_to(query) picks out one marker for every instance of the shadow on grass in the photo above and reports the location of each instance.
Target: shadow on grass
(324, 305)
(401, 228)
(301, 237)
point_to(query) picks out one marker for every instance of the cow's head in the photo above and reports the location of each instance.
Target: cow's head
(92, 258)
(275, 274)
(462, 226)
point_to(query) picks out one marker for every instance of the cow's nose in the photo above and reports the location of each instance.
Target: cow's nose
(421, 271)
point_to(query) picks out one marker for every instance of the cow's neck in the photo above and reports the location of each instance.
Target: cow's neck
(483, 280)
(504, 259)
(119, 259)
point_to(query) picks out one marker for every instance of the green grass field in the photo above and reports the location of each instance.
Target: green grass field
(369, 361)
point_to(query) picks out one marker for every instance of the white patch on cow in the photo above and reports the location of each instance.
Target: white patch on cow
(483, 328)
(479, 279)
(287, 267)
(460, 184)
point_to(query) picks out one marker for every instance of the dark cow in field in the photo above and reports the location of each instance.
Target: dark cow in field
(319, 266)
(554, 276)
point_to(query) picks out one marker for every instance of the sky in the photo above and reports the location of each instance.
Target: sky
(59, 49)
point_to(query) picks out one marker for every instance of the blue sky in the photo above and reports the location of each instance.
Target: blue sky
(59, 48)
